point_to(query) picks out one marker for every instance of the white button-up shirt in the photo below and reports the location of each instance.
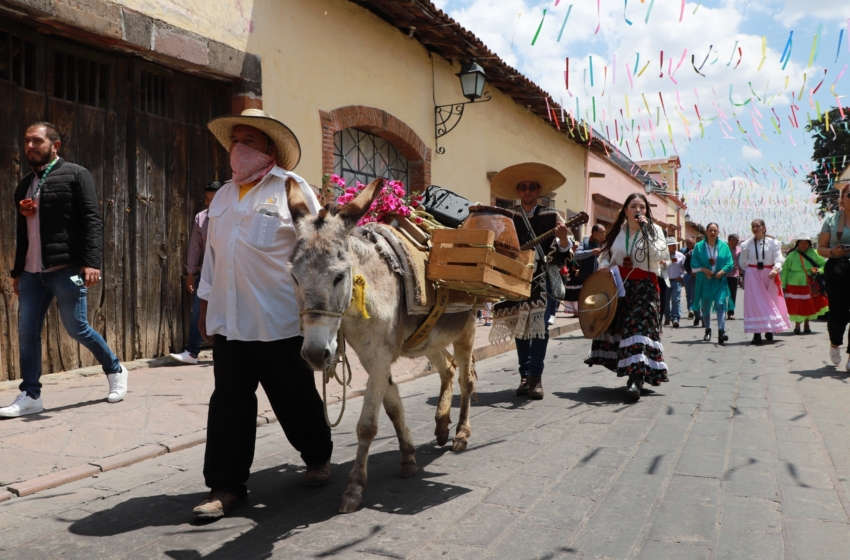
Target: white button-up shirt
(244, 278)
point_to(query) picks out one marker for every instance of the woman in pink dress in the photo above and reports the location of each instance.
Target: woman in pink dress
(764, 306)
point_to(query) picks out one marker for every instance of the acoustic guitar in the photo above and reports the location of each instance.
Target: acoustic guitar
(578, 220)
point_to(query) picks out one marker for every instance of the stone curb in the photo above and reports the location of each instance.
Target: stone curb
(130, 457)
(54, 378)
(180, 443)
(52, 480)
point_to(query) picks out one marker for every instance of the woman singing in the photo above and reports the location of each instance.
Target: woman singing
(764, 307)
(834, 244)
(632, 344)
(712, 261)
(804, 303)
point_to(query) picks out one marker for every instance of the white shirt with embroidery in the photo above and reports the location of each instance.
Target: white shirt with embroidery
(657, 251)
(766, 250)
(245, 279)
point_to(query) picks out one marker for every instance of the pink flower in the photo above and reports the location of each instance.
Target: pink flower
(418, 220)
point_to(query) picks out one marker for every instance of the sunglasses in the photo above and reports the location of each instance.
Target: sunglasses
(523, 187)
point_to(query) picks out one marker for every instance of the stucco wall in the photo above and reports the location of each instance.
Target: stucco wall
(618, 185)
(325, 54)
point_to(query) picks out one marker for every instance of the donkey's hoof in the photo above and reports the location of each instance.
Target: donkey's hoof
(408, 470)
(459, 445)
(442, 438)
(349, 504)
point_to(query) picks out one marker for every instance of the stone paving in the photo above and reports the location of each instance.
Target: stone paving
(744, 454)
(163, 405)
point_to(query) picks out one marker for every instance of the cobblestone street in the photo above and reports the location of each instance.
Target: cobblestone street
(744, 454)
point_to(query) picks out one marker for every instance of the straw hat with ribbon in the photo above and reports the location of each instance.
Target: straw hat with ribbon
(288, 148)
(505, 182)
(597, 303)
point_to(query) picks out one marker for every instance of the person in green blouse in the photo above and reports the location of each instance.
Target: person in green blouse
(804, 296)
(712, 261)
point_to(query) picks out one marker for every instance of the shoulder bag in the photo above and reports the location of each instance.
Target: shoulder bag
(817, 283)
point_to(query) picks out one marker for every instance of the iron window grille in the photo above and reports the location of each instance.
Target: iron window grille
(81, 79)
(17, 60)
(360, 156)
(156, 94)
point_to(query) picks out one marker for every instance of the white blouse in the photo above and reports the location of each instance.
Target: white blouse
(767, 250)
(657, 251)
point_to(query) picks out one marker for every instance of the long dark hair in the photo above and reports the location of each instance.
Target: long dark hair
(618, 222)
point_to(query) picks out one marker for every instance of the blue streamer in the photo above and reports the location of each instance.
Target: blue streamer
(591, 71)
(637, 59)
(787, 51)
(563, 25)
(838, 52)
(626, 7)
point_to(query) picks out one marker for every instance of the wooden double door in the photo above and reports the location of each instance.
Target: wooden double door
(140, 129)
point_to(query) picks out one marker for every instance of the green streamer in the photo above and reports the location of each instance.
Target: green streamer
(539, 27)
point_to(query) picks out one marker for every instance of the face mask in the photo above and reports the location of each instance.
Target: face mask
(248, 164)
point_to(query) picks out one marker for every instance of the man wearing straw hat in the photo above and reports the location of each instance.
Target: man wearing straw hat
(528, 321)
(248, 309)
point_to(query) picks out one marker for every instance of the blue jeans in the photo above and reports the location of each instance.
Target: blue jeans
(37, 292)
(690, 284)
(721, 315)
(193, 346)
(531, 353)
(673, 305)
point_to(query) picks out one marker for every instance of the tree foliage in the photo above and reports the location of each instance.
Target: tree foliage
(831, 156)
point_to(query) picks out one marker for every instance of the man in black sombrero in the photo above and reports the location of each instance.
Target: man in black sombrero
(248, 309)
(528, 321)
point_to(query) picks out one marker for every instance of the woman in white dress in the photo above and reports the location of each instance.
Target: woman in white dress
(764, 305)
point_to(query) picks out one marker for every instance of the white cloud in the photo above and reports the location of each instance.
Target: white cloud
(750, 153)
(544, 63)
(789, 12)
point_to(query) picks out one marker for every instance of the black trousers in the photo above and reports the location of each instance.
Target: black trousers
(733, 292)
(838, 292)
(239, 367)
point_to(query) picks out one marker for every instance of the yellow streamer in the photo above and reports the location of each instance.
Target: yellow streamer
(628, 113)
(646, 103)
(358, 295)
(643, 70)
(802, 87)
(763, 52)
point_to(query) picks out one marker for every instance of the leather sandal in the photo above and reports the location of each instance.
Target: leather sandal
(318, 475)
(216, 505)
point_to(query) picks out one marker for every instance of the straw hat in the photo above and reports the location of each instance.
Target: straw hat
(504, 183)
(288, 148)
(597, 303)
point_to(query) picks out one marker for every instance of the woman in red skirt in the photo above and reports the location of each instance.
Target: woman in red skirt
(805, 298)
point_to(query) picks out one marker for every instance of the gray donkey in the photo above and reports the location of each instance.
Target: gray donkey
(329, 253)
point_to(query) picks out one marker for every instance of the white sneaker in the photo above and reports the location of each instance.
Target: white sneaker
(551, 320)
(835, 354)
(24, 404)
(184, 358)
(117, 385)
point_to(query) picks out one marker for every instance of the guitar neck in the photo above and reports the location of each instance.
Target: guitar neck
(577, 220)
(537, 240)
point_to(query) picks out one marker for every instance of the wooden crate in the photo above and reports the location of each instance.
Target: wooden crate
(465, 260)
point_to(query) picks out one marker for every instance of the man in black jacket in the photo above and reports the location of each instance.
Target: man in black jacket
(59, 252)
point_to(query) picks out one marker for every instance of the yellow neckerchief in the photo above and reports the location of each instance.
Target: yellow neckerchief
(244, 189)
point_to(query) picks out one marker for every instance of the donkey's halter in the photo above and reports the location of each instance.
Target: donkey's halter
(358, 290)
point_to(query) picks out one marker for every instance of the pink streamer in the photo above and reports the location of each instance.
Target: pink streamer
(614, 71)
(598, 17)
(548, 109)
(629, 72)
(681, 12)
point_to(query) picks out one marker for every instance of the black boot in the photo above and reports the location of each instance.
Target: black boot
(696, 321)
(768, 336)
(707, 336)
(522, 390)
(633, 388)
(535, 387)
(721, 337)
(757, 339)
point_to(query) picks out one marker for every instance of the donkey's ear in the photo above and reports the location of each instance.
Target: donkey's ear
(357, 208)
(295, 198)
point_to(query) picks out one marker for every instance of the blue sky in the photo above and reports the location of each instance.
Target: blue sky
(712, 31)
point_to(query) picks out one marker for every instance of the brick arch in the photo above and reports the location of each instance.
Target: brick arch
(380, 123)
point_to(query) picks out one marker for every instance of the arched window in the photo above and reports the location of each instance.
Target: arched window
(360, 156)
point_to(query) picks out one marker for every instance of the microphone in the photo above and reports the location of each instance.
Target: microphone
(646, 228)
